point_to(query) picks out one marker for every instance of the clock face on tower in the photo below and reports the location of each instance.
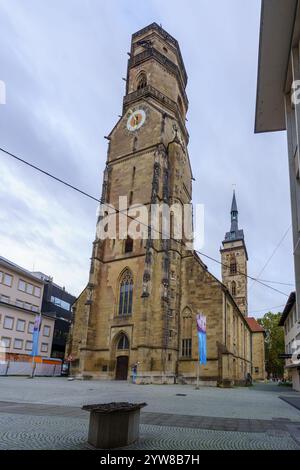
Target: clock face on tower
(136, 119)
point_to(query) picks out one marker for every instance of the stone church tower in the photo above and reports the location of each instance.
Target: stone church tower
(234, 261)
(143, 295)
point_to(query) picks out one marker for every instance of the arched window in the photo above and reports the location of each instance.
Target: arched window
(126, 290)
(233, 288)
(128, 247)
(123, 342)
(141, 81)
(186, 332)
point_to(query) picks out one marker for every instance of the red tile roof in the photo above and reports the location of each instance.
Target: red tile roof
(255, 327)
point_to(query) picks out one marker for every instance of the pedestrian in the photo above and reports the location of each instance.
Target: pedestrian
(134, 373)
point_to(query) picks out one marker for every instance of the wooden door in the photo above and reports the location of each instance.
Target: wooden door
(122, 368)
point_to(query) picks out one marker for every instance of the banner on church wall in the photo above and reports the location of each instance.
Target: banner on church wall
(201, 331)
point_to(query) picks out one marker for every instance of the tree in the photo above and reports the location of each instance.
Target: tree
(274, 343)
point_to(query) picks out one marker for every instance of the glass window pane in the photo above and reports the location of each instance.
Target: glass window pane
(22, 285)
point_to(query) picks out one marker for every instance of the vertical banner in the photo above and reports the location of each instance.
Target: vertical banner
(35, 335)
(201, 330)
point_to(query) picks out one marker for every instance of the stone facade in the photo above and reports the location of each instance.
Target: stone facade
(143, 294)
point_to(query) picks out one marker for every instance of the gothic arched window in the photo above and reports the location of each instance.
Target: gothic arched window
(233, 288)
(141, 81)
(186, 332)
(123, 342)
(126, 290)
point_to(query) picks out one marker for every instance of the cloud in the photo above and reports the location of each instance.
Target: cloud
(63, 64)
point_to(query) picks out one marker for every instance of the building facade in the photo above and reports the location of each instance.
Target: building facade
(143, 295)
(291, 325)
(21, 296)
(57, 303)
(278, 104)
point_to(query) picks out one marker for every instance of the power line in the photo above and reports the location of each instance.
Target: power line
(267, 309)
(272, 254)
(130, 217)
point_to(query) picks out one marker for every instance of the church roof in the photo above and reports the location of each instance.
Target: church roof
(235, 233)
(254, 326)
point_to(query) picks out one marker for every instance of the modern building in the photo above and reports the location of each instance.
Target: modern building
(57, 303)
(291, 325)
(278, 105)
(21, 296)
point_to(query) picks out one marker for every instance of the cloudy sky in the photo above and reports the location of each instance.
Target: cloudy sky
(63, 63)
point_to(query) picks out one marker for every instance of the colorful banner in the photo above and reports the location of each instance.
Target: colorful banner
(201, 330)
(35, 335)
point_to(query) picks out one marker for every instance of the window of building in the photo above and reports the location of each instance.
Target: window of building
(126, 291)
(7, 280)
(141, 81)
(46, 331)
(123, 342)
(30, 327)
(233, 269)
(6, 341)
(37, 292)
(18, 343)
(233, 288)
(256, 370)
(34, 308)
(44, 347)
(28, 346)
(5, 298)
(19, 303)
(60, 303)
(8, 323)
(20, 325)
(128, 248)
(169, 357)
(22, 285)
(186, 347)
(29, 289)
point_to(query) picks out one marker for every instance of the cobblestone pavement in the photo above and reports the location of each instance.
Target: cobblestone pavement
(51, 417)
(258, 402)
(52, 432)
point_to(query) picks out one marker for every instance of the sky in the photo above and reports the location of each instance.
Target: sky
(63, 63)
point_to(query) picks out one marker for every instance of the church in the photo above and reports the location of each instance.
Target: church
(143, 295)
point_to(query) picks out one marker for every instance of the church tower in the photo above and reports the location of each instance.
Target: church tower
(234, 259)
(133, 296)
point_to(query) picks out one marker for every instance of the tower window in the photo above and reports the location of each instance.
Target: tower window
(142, 81)
(233, 288)
(126, 291)
(123, 342)
(128, 245)
(233, 269)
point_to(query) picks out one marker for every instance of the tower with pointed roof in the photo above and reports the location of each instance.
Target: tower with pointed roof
(234, 259)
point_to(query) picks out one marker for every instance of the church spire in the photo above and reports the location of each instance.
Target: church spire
(235, 233)
(234, 215)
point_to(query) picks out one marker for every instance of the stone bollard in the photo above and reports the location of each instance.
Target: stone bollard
(113, 424)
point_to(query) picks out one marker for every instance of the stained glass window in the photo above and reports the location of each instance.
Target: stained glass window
(126, 290)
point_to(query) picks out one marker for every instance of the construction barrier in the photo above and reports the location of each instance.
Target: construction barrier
(41, 367)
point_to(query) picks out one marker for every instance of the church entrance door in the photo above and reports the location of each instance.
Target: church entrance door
(122, 368)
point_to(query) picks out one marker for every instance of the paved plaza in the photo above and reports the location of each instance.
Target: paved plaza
(45, 413)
